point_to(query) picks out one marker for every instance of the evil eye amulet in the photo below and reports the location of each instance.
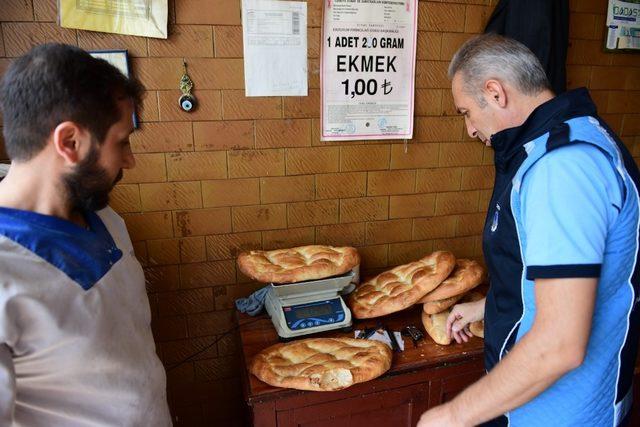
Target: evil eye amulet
(187, 103)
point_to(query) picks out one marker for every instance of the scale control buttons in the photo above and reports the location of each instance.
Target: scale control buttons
(317, 323)
(330, 319)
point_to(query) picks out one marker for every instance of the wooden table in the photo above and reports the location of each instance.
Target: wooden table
(419, 378)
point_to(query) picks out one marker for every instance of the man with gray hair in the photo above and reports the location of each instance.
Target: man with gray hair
(561, 246)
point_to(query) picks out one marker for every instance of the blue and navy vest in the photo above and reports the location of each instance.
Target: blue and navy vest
(568, 119)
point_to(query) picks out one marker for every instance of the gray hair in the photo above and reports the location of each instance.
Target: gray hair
(491, 56)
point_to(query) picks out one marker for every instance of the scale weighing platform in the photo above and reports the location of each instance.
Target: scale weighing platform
(305, 308)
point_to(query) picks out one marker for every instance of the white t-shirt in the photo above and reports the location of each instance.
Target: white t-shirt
(76, 347)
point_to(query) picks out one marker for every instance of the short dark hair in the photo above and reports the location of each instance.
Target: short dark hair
(53, 83)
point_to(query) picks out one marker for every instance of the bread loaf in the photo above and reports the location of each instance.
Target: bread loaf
(467, 275)
(321, 364)
(298, 264)
(401, 287)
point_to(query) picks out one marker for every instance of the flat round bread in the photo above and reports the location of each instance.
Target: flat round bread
(433, 307)
(467, 275)
(297, 264)
(436, 324)
(401, 287)
(477, 328)
(321, 364)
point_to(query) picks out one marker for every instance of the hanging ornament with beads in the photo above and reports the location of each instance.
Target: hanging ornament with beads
(187, 101)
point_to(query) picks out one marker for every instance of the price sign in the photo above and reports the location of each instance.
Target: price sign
(368, 69)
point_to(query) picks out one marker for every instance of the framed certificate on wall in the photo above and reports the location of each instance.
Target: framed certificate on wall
(147, 18)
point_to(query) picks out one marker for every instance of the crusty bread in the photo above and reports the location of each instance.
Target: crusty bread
(436, 324)
(433, 307)
(321, 364)
(467, 275)
(477, 328)
(297, 264)
(401, 287)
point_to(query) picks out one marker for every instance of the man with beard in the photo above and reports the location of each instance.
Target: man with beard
(76, 346)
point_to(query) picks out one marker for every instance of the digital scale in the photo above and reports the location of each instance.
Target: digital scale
(304, 308)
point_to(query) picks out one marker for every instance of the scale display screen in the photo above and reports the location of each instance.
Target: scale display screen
(313, 311)
(314, 314)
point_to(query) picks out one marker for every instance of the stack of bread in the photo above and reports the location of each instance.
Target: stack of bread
(436, 323)
(437, 304)
(319, 364)
(437, 281)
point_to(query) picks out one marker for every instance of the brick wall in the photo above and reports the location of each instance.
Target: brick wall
(244, 173)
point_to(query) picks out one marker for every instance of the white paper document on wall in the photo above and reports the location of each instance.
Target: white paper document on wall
(623, 24)
(135, 17)
(367, 70)
(275, 47)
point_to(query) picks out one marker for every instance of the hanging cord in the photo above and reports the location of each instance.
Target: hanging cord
(224, 334)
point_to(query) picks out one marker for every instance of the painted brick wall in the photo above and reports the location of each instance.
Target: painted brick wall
(245, 173)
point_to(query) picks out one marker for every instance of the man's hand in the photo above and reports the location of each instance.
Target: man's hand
(555, 344)
(440, 416)
(461, 316)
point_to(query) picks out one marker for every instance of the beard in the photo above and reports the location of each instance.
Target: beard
(88, 185)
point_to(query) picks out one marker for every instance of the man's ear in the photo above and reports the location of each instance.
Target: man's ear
(67, 141)
(496, 93)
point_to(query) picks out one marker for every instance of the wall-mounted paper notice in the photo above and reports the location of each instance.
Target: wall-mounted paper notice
(275, 47)
(136, 17)
(623, 25)
(367, 69)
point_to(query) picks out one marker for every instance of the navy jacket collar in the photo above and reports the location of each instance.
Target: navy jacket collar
(508, 143)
